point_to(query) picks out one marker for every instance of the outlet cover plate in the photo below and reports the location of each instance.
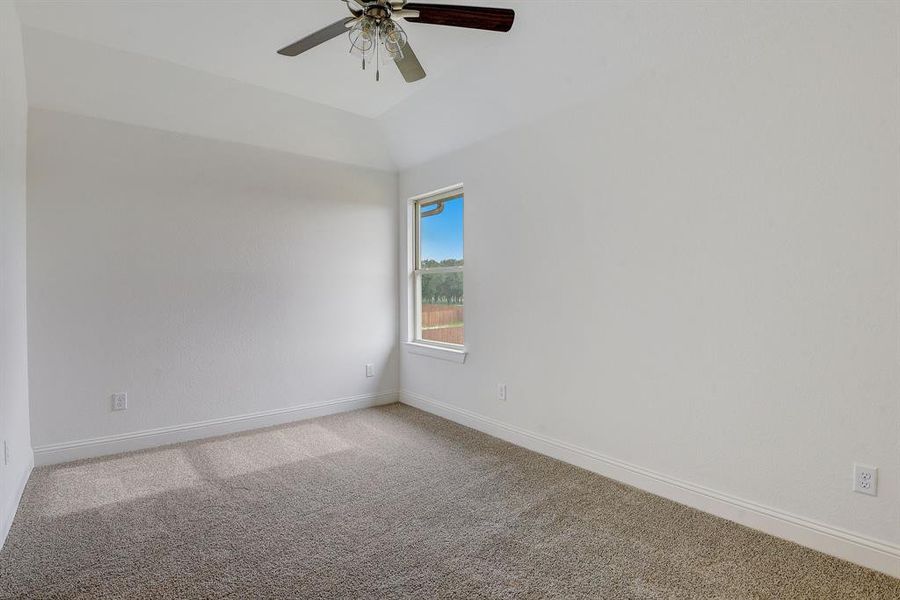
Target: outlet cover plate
(120, 401)
(865, 479)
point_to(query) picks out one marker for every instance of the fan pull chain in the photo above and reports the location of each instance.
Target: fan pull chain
(377, 54)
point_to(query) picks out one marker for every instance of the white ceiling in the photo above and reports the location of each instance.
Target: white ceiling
(239, 39)
(211, 68)
(79, 77)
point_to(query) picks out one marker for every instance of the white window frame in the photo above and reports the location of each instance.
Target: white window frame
(415, 343)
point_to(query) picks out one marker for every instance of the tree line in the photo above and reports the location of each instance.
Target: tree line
(442, 288)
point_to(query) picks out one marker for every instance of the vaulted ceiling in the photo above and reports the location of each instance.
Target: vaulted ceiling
(238, 40)
(211, 69)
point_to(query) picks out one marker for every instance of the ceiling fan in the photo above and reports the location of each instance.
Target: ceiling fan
(376, 35)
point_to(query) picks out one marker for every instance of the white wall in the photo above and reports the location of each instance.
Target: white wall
(14, 427)
(698, 274)
(206, 279)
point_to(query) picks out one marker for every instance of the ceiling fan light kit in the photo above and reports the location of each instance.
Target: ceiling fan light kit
(379, 39)
(376, 36)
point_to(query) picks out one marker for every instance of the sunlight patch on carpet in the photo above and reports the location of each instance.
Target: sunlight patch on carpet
(85, 486)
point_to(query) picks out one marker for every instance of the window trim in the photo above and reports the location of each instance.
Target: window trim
(452, 354)
(414, 342)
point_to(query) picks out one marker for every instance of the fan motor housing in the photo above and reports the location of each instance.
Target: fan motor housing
(378, 11)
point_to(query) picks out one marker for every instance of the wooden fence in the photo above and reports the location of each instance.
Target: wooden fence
(443, 323)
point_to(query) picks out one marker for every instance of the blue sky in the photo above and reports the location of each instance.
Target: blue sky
(442, 235)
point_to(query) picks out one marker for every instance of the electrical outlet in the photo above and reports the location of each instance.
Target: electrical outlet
(370, 370)
(501, 392)
(865, 479)
(120, 401)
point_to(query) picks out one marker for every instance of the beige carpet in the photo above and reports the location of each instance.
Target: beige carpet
(385, 503)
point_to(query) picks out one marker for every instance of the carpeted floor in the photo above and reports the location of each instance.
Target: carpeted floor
(385, 503)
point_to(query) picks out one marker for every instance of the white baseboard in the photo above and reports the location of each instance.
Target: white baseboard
(12, 504)
(868, 552)
(160, 436)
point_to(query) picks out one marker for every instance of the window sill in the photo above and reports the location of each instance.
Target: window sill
(451, 354)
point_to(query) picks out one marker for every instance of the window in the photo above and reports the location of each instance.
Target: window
(438, 268)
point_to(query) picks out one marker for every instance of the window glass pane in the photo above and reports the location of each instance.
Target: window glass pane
(442, 307)
(441, 233)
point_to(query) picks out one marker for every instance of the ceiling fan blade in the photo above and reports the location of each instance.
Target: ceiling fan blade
(409, 65)
(314, 39)
(473, 17)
